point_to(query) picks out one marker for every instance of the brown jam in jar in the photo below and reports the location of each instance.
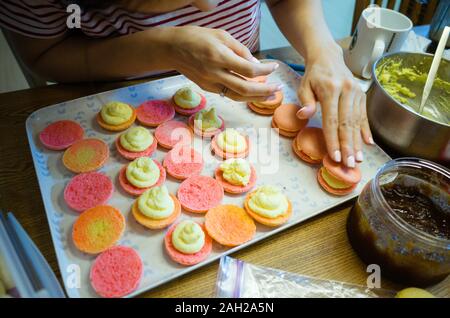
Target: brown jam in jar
(401, 222)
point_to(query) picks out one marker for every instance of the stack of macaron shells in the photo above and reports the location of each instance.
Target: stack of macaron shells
(97, 229)
(116, 116)
(209, 133)
(141, 166)
(310, 146)
(153, 113)
(234, 140)
(336, 178)
(181, 252)
(156, 221)
(286, 122)
(183, 162)
(128, 144)
(172, 133)
(61, 135)
(187, 101)
(268, 106)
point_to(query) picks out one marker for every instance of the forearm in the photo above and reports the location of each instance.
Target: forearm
(304, 25)
(79, 59)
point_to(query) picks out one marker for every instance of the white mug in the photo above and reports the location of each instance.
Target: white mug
(379, 30)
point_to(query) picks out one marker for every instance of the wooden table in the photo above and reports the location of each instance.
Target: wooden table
(318, 247)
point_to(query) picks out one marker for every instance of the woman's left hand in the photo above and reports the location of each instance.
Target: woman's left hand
(328, 81)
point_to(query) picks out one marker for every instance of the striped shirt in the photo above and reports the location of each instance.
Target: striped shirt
(48, 19)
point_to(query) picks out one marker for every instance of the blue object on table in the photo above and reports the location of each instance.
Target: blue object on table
(299, 68)
(29, 270)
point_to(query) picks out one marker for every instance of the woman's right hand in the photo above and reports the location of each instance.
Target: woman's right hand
(211, 57)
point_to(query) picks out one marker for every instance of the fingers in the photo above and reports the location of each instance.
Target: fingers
(329, 104)
(307, 100)
(365, 128)
(242, 66)
(346, 125)
(247, 88)
(357, 140)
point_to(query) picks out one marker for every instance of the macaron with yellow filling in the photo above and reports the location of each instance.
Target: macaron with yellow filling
(268, 106)
(336, 178)
(236, 175)
(229, 225)
(286, 122)
(183, 162)
(154, 112)
(230, 144)
(173, 132)
(206, 123)
(188, 102)
(269, 206)
(97, 229)
(140, 175)
(198, 194)
(187, 243)
(86, 155)
(136, 142)
(156, 208)
(116, 116)
(310, 146)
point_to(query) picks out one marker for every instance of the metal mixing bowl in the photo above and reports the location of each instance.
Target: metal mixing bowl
(400, 127)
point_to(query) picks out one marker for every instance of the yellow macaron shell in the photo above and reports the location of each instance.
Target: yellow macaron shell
(268, 201)
(116, 113)
(188, 237)
(230, 140)
(136, 139)
(332, 181)
(236, 171)
(156, 203)
(142, 172)
(187, 98)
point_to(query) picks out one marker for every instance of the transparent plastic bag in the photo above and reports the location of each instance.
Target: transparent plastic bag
(237, 279)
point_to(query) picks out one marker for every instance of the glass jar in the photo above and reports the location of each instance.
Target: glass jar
(405, 249)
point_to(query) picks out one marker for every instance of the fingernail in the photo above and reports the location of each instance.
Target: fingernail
(371, 141)
(275, 66)
(254, 59)
(359, 156)
(337, 156)
(302, 113)
(351, 162)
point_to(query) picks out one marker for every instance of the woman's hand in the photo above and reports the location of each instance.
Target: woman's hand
(328, 81)
(212, 58)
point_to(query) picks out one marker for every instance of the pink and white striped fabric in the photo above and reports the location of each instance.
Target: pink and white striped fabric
(47, 19)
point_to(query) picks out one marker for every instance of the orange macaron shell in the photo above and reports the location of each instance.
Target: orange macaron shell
(129, 155)
(267, 107)
(187, 259)
(97, 229)
(282, 132)
(154, 224)
(131, 189)
(285, 118)
(227, 155)
(232, 188)
(205, 134)
(229, 225)
(268, 221)
(120, 127)
(310, 142)
(86, 155)
(303, 156)
(261, 111)
(329, 189)
(341, 172)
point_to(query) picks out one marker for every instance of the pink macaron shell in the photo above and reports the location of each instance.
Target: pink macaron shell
(232, 188)
(154, 112)
(187, 259)
(227, 155)
(183, 162)
(116, 272)
(134, 155)
(198, 194)
(61, 135)
(131, 189)
(205, 134)
(342, 172)
(86, 190)
(192, 111)
(331, 190)
(164, 134)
